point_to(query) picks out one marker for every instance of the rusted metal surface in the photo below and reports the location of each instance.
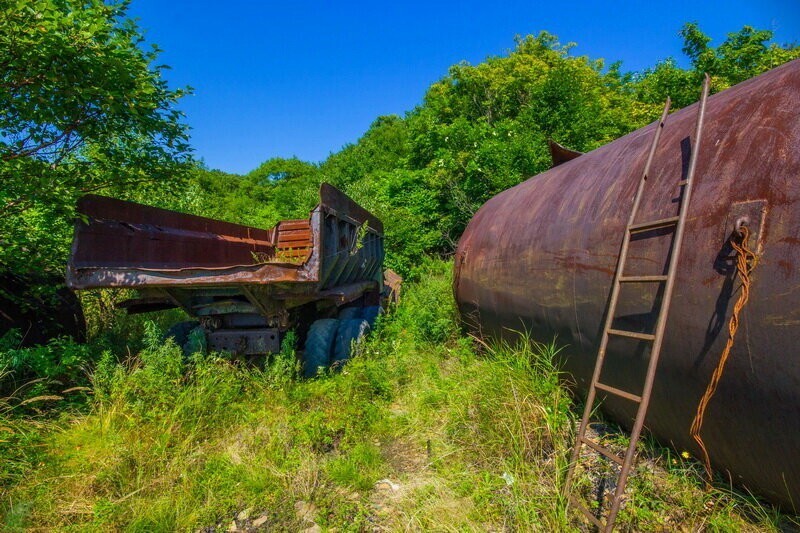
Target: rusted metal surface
(352, 241)
(341, 205)
(245, 341)
(131, 245)
(393, 284)
(230, 276)
(126, 235)
(294, 242)
(656, 337)
(541, 256)
(561, 154)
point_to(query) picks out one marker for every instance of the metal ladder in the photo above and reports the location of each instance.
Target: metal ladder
(656, 338)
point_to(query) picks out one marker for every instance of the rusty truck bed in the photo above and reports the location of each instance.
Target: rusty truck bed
(214, 268)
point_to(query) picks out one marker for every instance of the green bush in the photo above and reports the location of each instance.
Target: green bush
(428, 311)
(63, 360)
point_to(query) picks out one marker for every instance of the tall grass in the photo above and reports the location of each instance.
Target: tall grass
(424, 429)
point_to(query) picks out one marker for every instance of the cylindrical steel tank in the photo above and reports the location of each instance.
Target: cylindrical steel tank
(541, 257)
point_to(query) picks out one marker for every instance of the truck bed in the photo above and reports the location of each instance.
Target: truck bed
(213, 267)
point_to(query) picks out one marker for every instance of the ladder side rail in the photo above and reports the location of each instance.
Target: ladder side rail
(662, 315)
(614, 297)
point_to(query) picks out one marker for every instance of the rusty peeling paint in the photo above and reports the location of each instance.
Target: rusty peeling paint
(214, 268)
(541, 256)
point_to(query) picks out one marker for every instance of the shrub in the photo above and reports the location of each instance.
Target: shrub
(61, 359)
(428, 311)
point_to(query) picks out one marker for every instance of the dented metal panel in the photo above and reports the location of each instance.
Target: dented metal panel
(212, 268)
(123, 244)
(541, 256)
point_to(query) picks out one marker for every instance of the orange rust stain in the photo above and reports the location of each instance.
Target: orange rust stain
(787, 267)
(582, 267)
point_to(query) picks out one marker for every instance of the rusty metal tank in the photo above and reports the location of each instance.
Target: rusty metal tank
(541, 257)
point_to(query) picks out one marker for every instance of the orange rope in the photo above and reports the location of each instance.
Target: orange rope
(744, 266)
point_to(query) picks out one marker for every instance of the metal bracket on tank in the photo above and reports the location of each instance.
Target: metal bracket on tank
(752, 214)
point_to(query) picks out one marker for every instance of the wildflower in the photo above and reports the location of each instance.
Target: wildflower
(685, 455)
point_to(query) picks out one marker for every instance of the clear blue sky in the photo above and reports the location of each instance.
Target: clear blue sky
(298, 78)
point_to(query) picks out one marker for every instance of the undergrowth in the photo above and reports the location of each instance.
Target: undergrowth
(424, 429)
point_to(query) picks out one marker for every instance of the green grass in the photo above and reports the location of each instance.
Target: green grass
(424, 430)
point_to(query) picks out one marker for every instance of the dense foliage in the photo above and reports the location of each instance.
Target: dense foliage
(484, 128)
(83, 109)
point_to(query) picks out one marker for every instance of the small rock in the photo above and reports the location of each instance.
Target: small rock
(305, 511)
(244, 515)
(394, 487)
(260, 521)
(233, 526)
(313, 529)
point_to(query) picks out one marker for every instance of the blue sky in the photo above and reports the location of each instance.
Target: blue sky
(299, 78)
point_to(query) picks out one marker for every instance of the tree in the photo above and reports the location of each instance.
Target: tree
(84, 109)
(292, 186)
(743, 55)
(384, 147)
(484, 128)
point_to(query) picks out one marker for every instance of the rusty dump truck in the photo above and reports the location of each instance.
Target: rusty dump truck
(245, 287)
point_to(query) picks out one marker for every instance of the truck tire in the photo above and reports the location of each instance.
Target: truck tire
(350, 330)
(370, 314)
(179, 333)
(319, 344)
(348, 313)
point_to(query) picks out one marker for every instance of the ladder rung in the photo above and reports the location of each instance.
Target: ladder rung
(682, 183)
(633, 279)
(618, 392)
(602, 450)
(653, 224)
(632, 334)
(585, 512)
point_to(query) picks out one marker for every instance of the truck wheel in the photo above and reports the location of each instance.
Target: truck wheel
(349, 331)
(348, 313)
(319, 342)
(179, 333)
(370, 314)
